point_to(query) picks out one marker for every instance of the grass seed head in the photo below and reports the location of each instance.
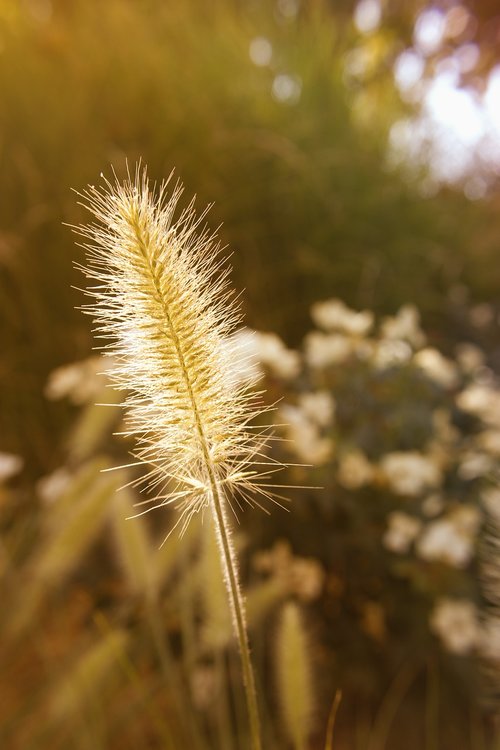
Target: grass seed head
(161, 301)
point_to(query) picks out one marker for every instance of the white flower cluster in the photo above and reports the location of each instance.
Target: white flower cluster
(10, 465)
(401, 531)
(346, 338)
(410, 473)
(302, 577)
(304, 432)
(460, 628)
(253, 353)
(80, 382)
(451, 539)
(354, 470)
(483, 401)
(343, 334)
(429, 452)
(456, 623)
(52, 486)
(334, 315)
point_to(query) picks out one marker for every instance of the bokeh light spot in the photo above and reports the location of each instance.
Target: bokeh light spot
(429, 31)
(367, 16)
(286, 88)
(260, 51)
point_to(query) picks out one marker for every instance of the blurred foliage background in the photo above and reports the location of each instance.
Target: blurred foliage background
(284, 115)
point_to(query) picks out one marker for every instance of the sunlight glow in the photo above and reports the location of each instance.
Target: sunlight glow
(457, 19)
(408, 69)
(467, 57)
(367, 16)
(492, 98)
(287, 88)
(40, 10)
(455, 109)
(456, 136)
(288, 8)
(260, 51)
(429, 31)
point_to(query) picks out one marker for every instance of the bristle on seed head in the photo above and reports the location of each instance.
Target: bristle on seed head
(161, 299)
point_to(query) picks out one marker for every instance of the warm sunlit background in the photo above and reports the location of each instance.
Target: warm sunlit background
(351, 151)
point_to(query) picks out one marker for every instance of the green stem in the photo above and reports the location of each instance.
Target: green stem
(238, 611)
(229, 566)
(228, 560)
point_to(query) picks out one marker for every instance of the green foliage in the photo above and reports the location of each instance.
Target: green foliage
(311, 210)
(301, 188)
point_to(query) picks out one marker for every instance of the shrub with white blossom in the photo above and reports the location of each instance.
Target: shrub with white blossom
(403, 441)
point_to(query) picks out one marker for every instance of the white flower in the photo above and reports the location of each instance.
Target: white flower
(305, 439)
(440, 369)
(409, 473)
(404, 326)
(455, 622)
(432, 505)
(401, 531)
(489, 440)
(272, 352)
(475, 399)
(51, 487)
(81, 382)
(306, 578)
(63, 381)
(354, 470)
(319, 406)
(10, 465)
(323, 349)
(469, 357)
(311, 448)
(440, 541)
(474, 465)
(445, 541)
(443, 428)
(334, 315)
(389, 353)
(482, 401)
(276, 560)
(302, 576)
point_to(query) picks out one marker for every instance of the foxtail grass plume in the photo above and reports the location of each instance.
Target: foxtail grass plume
(162, 300)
